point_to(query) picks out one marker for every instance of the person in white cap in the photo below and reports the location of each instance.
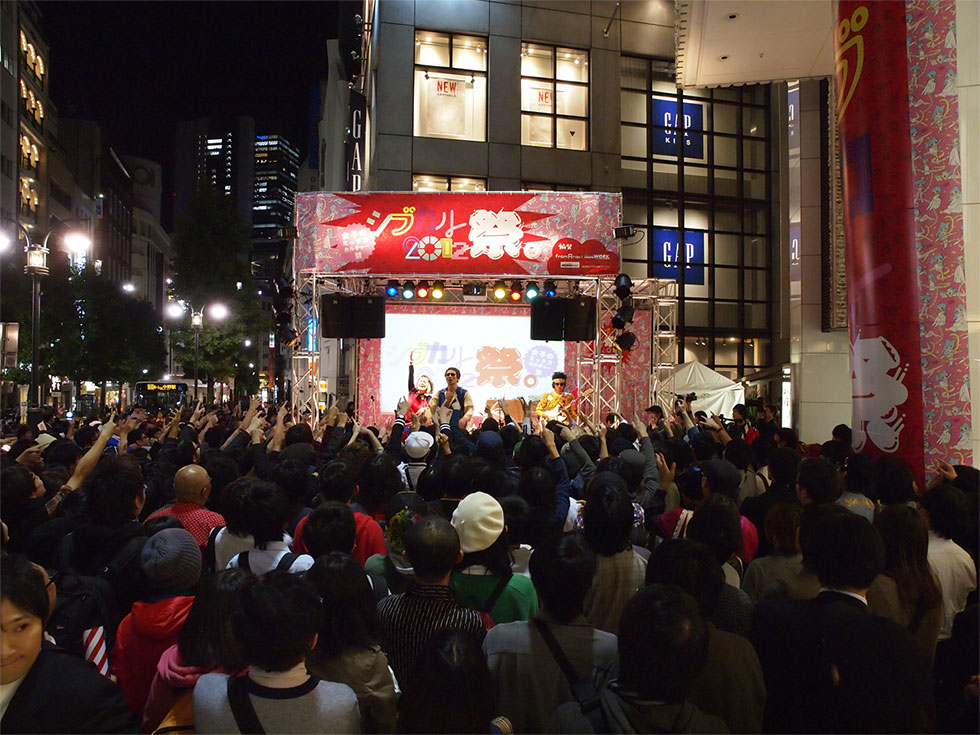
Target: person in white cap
(417, 447)
(484, 580)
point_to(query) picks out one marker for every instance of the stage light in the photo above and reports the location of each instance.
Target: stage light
(393, 289)
(623, 285)
(423, 290)
(531, 292)
(516, 292)
(550, 288)
(625, 315)
(499, 290)
(408, 290)
(438, 290)
(625, 341)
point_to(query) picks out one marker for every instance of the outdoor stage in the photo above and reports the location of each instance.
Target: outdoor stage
(350, 244)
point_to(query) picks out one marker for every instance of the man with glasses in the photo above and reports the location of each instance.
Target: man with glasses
(556, 405)
(455, 398)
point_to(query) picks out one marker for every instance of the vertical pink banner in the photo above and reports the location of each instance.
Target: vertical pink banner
(934, 120)
(872, 105)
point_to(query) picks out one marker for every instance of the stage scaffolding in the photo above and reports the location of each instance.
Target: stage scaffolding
(598, 363)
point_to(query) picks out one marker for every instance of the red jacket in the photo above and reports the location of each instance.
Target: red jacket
(369, 539)
(149, 630)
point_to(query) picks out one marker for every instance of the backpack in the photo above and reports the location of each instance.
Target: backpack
(484, 610)
(283, 566)
(210, 559)
(86, 613)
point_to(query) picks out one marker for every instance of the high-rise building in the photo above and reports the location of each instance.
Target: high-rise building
(218, 154)
(276, 166)
(152, 251)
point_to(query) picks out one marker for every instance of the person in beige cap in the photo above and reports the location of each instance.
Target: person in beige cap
(484, 581)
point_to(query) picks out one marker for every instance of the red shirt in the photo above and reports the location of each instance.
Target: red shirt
(369, 539)
(196, 518)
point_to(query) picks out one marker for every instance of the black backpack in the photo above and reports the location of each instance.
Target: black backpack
(87, 611)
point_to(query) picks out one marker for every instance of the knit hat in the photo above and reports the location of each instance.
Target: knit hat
(171, 560)
(479, 521)
(723, 476)
(418, 444)
(489, 445)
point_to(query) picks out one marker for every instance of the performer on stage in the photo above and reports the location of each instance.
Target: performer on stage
(557, 405)
(454, 397)
(419, 394)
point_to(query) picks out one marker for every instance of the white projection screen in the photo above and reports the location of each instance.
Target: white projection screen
(493, 351)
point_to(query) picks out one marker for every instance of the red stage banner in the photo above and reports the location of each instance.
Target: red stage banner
(873, 107)
(517, 234)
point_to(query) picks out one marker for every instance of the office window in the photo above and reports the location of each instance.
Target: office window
(450, 86)
(425, 182)
(696, 168)
(554, 97)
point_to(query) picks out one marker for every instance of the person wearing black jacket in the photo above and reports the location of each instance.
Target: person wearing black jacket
(45, 688)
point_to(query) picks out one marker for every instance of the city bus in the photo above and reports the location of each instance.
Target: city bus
(162, 395)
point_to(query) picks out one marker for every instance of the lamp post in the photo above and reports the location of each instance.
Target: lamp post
(36, 266)
(218, 312)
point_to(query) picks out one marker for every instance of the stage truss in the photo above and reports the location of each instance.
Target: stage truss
(598, 362)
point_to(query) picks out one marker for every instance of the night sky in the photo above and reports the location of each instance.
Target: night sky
(139, 67)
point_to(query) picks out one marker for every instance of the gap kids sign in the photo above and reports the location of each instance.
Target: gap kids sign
(690, 123)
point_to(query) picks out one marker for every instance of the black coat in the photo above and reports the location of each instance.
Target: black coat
(831, 666)
(64, 694)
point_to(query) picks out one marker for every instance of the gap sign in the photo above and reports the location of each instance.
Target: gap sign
(692, 124)
(666, 248)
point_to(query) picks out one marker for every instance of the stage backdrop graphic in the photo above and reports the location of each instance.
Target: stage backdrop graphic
(518, 234)
(872, 85)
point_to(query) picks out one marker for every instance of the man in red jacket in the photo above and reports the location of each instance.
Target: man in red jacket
(171, 561)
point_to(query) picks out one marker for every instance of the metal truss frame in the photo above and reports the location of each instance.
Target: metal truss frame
(657, 296)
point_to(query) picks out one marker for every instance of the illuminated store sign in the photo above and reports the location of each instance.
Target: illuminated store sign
(691, 123)
(666, 247)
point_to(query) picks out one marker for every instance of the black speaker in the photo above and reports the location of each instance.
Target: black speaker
(367, 317)
(334, 315)
(361, 317)
(548, 318)
(580, 319)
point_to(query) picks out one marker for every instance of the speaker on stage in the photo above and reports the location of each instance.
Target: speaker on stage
(548, 318)
(361, 317)
(367, 317)
(580, 319)
(334, 315)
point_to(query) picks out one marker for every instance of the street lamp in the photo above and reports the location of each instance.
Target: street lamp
(36, 266)
(217, 311)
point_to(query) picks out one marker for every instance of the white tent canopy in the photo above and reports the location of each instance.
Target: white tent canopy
(716, 393)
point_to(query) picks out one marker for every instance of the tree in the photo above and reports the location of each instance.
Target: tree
(211, 263)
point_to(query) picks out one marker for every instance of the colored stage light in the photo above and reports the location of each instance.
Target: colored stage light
(438, 290)
(499, 291)
(423, 290)
(408, 290)
(550, 288)
(393, 289)
(516, 292)
(531, 292)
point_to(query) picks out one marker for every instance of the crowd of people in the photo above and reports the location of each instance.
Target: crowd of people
(237, 569)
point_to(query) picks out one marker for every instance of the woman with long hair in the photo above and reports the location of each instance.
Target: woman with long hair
(206, 642)
(347, 649)
(907, 591)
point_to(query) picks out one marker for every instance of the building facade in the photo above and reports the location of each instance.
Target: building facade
(152, 249)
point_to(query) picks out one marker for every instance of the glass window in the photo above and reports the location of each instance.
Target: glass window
(753, 121)
(754, 186)
(755, 285)
(726, 249)
(726, 314)
(695, 180)
(450, 104)
(696, 313)
(634, 107)
(633, 73)
(754, 154)
(757, 351)
(665, 176)
(726, 350)
(726, 283)
(634, 213)
(427, 182)
(755, 316)
(726, 151)
(634, 141)
(697, 349)
(756, 252)
(554, 97)
(726, 183)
